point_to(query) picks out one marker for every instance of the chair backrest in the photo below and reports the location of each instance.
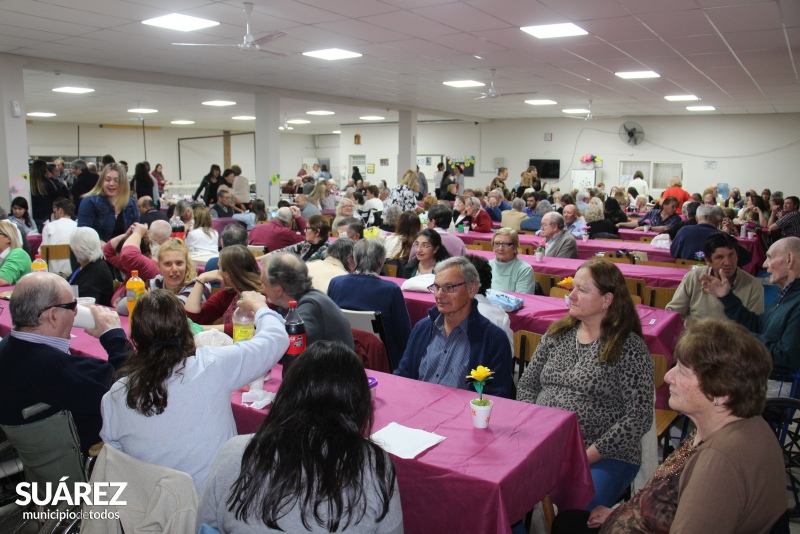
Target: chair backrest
(662, 264)
(687, 263)
(525, 344)
(545, 281)
(661, 367)
(474, 246)
(54, 252)
(391, 270)
(559, 292)
(646, 238)
(613, 259)
(526, 249)
(371, 321)
(49, 449)
(485, 245)
(659, 297)
(636, 286)
(636, 300)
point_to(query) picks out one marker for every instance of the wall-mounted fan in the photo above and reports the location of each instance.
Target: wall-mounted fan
(492, 92)
(631, 133)
(249, 43)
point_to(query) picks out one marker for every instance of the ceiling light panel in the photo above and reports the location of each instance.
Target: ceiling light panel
(74, 90)
(372, 118)
(332, 54)
(551, 31)
(181, 23)
(541, 102)
(142, 110)
(298, 121)
(681, 98)
(219, 103)
(320, 112)
(635, 75)
(181, 122)
(40, 114)
(464, 83)
(701, 108)
(575, 110)
(244, 118)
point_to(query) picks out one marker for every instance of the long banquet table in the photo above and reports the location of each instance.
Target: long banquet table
(475, 480)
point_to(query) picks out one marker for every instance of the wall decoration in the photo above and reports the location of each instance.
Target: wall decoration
(467, 164)
(357, 139)
(370, 168)
(275, 178)
(384, 162)
(19, 186)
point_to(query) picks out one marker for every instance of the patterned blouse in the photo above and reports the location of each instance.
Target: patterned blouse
(614, 402)
(402, 196)
(307, 251)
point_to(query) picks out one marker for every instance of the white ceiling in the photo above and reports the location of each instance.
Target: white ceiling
(740, 56)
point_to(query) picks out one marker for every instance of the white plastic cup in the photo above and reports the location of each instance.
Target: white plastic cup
(646, 228)
(84, 318)
(751, 235)
(466, 228)
(585, 237)
(257, 384)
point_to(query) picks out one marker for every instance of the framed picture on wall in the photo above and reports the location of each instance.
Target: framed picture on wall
(384, 162)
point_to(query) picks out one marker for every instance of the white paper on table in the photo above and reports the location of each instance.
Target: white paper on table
(403, 441)
(258, 397)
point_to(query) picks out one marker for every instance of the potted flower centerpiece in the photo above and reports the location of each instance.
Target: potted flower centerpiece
(539, 254)
(480, 408)
(585, 233)
(700, 256)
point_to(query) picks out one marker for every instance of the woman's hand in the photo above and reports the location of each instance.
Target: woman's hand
(598, 516)
(210, 276)
(139, 228)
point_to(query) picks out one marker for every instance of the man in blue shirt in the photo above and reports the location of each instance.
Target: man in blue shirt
(496, 205)
(659, 220)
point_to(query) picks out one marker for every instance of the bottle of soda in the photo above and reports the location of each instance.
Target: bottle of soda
(178, 229)
(243, 324)
(297, 336)
(38, 264)
(134, 290)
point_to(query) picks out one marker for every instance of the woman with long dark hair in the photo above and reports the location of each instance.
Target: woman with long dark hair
(172, 404)
(257, 214)
(44, 191)
(429, 251)
(398, 245)
(142, 182)
(208, 186)
(311, 466)
(21, 217)
(613, 211)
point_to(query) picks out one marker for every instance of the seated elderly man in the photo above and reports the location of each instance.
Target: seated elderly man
(691, 239)
(558, 242)
(572, 223)
(148, 212)
(224, 206)
(582, 200)
(721, 255)
(455, 337)
(439, 219)
(779, 326)
(36, 365)
(496, 205)
(284, 278)
(337, 261)
(159, 233)
(307, 209)
(351, 227)
(364, 290)
(659, 220)
(534, 222)
(278, 233)
(513, 217)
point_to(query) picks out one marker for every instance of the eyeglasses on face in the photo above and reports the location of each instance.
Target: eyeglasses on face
(501, 244)
(68, 306)
(447, 288)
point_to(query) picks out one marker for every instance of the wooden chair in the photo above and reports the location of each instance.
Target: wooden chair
(646, 239)
(54, 252)
(333, 234)
(391, 270)
(559, 292)
(636, 286)
(262, 222)
(610, 256)
(664, 418)
(545, 281)
(526, 249)
(525, 344)
(686, 263)
(485, 245)
(659, 297)
(661, 264)
(473, 246)
(636, 300)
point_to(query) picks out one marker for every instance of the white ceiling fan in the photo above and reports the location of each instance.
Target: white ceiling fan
(492, 92)
(249, 43)
(590, 115)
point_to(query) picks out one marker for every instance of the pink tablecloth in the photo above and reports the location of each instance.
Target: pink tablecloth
(483, 480)
(221, 222)
(34, 241)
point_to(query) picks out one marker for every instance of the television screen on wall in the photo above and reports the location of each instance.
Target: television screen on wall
(548, 168)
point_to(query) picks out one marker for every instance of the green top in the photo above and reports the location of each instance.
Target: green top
(16, 265)
(515, 275)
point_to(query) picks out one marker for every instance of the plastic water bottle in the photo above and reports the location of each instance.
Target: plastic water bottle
(297, 336)
(134, 290)
(38, 264)
(243, 324)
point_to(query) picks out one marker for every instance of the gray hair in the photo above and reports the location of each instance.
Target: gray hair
(354, 226)
(557, 219)
(284, 215)
(707, 212)
(518, 204)
(581, 196)
(468, 271)
(385, 191)
(496, 193)
(85, 244)
(80, 164)
(342, 250)
(182, 206)
(369, 255)
(288, 271)
(474, 202)
(234, 234)
(35, 292)
(594, 213)
(391, 215)
(160, 231)
(543, 207)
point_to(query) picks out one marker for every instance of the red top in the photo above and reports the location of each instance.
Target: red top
(218, 306)
(276, 235)
(481, 222)
(678, 193)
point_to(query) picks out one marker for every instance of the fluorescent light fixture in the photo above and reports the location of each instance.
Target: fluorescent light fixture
(180, 122)
(477, 57)
(681, 98)
(541, 102)
(549, 31)
(320, 112)
(372, 118)
(298, 121)
(219, 103)
(243, 118)
(464, 83)
(74, 90)
(40, 114)
(142, 110)
(282, 128)
(337, 131)
(637, 74)
(575, 110)
(182, 23)
(701, 108)
(332, 54)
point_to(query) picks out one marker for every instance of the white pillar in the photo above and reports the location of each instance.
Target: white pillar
(268, 147)
(407, 142)
(13, 132)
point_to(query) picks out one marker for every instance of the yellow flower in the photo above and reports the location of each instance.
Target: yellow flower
(566, 283)
(480, 374)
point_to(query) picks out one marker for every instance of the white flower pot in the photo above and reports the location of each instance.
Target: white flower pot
(585, 237)
(481, 414)
(538, 256)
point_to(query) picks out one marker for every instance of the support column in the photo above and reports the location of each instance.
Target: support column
(407, 142)
(268, 147)
(13, 133)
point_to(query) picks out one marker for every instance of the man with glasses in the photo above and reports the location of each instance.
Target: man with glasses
(455, 337)
(36, 365)
(558, 241)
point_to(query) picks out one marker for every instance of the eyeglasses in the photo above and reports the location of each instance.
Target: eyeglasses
(447, 288)
(501, 244)
(68, 306)
(418, 244)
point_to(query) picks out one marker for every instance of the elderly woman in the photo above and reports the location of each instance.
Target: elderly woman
(345, 209)
(509, 273)
(403, 194)
(300, 491)
(640, 204)
(93, 277)
(676, 190)
(597, 224)
(108, 207)
(600, 343)
(168, 387)
(399, 244)
(14, 261)
(728, 475)
(479, 219)
(183, 215)
(316, 242)
(429, 251)
(390, 218)
(513, 217)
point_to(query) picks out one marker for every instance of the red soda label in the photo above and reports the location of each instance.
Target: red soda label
(297, 344)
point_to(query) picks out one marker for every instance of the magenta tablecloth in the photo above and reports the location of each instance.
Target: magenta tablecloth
(475, 480)
(35, 242)
(221, 222)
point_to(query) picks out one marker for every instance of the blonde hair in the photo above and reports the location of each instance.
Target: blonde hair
(342, 204)
(512, 234)
(675, 181)
(176, 245)
(123, 194)
(202, 219)
(429, 202)
(316, 195)
(10, 230)
(527, 180)
(409, 178)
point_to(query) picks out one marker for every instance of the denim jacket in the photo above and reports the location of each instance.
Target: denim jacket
(97, 212)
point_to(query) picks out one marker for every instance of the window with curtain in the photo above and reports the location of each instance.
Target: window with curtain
(663, 171)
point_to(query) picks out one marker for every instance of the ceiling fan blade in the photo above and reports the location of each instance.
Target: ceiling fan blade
(518, 94)
(272, 52)
(481, 97)
(270, 37)
(203, 44)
